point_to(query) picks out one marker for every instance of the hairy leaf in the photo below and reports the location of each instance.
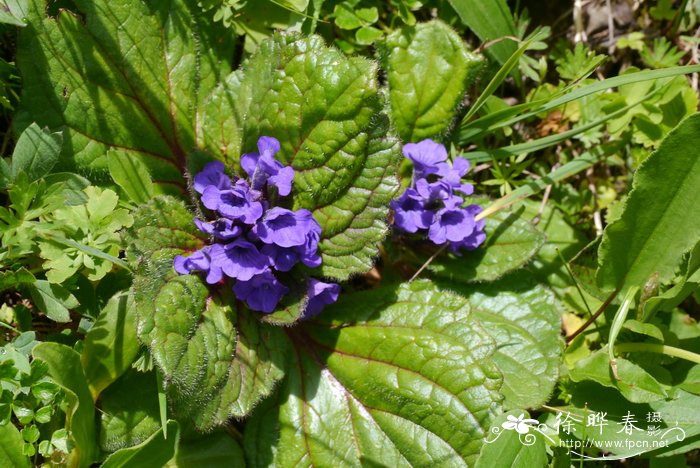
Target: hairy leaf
(661, 220)
(428, 68)
(326, 111)
(129, 412)
(404, 380)
(155, 451)
(218, 358)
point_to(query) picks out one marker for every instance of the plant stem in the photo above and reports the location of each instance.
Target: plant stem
(659, 349)
(597, 314)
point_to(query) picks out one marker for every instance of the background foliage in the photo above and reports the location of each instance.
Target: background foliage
(581, 129)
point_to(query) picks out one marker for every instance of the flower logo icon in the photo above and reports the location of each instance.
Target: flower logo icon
(519, 424)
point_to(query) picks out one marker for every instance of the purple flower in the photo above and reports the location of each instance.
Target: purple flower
(262, 167)
(262, 292)
(410, 213)
(477, 237)
(284, 227)
(284, 258)
(426, 157)
(451, 224)
(239, 259)
(199, 261)
(308, 251)
(281, 258)
(238, 202)
(212, 175)
(453, 175)
(320, 295)
(222, 228)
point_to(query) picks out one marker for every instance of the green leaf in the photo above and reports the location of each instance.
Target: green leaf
(12, 279)
(678, 432)
(131, 175)
(216, 450)
(511, 242)
(111, 345)
(13, 12)
(219, 359)
(67, 371)
(326, 111)
(367, 35)
(523, 319)
(155, 451)
(404, 380)
(489, 20)
(11, 453)
(683, 288)
(53, 299)
(509, 448)
(129, 411)
(635, 383)
(428, 68)
(345, 17)
(511, 115)
(36, 152)
(661, 220)
(126, 75)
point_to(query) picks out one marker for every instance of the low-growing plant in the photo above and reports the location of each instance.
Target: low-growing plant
(328, 256)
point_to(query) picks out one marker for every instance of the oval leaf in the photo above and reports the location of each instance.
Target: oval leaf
(406, 380)
(661, 219)
(428, 68)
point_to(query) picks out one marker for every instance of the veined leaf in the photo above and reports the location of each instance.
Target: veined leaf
(127, 75)
(508, 449)
(405, 380)
(661, 218)
(36, 152)
(428, 68)
(511, 242)
(111, 344)
(218, 359)
(326, 111)
(129, 411)
(523, 318)
(155, 451)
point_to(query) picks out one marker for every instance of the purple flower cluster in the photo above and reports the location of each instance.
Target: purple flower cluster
(433, 204)
(251, 240)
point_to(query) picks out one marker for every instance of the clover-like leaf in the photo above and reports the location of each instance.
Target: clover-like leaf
(428, 68)
(405, 380)
(218, 358)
